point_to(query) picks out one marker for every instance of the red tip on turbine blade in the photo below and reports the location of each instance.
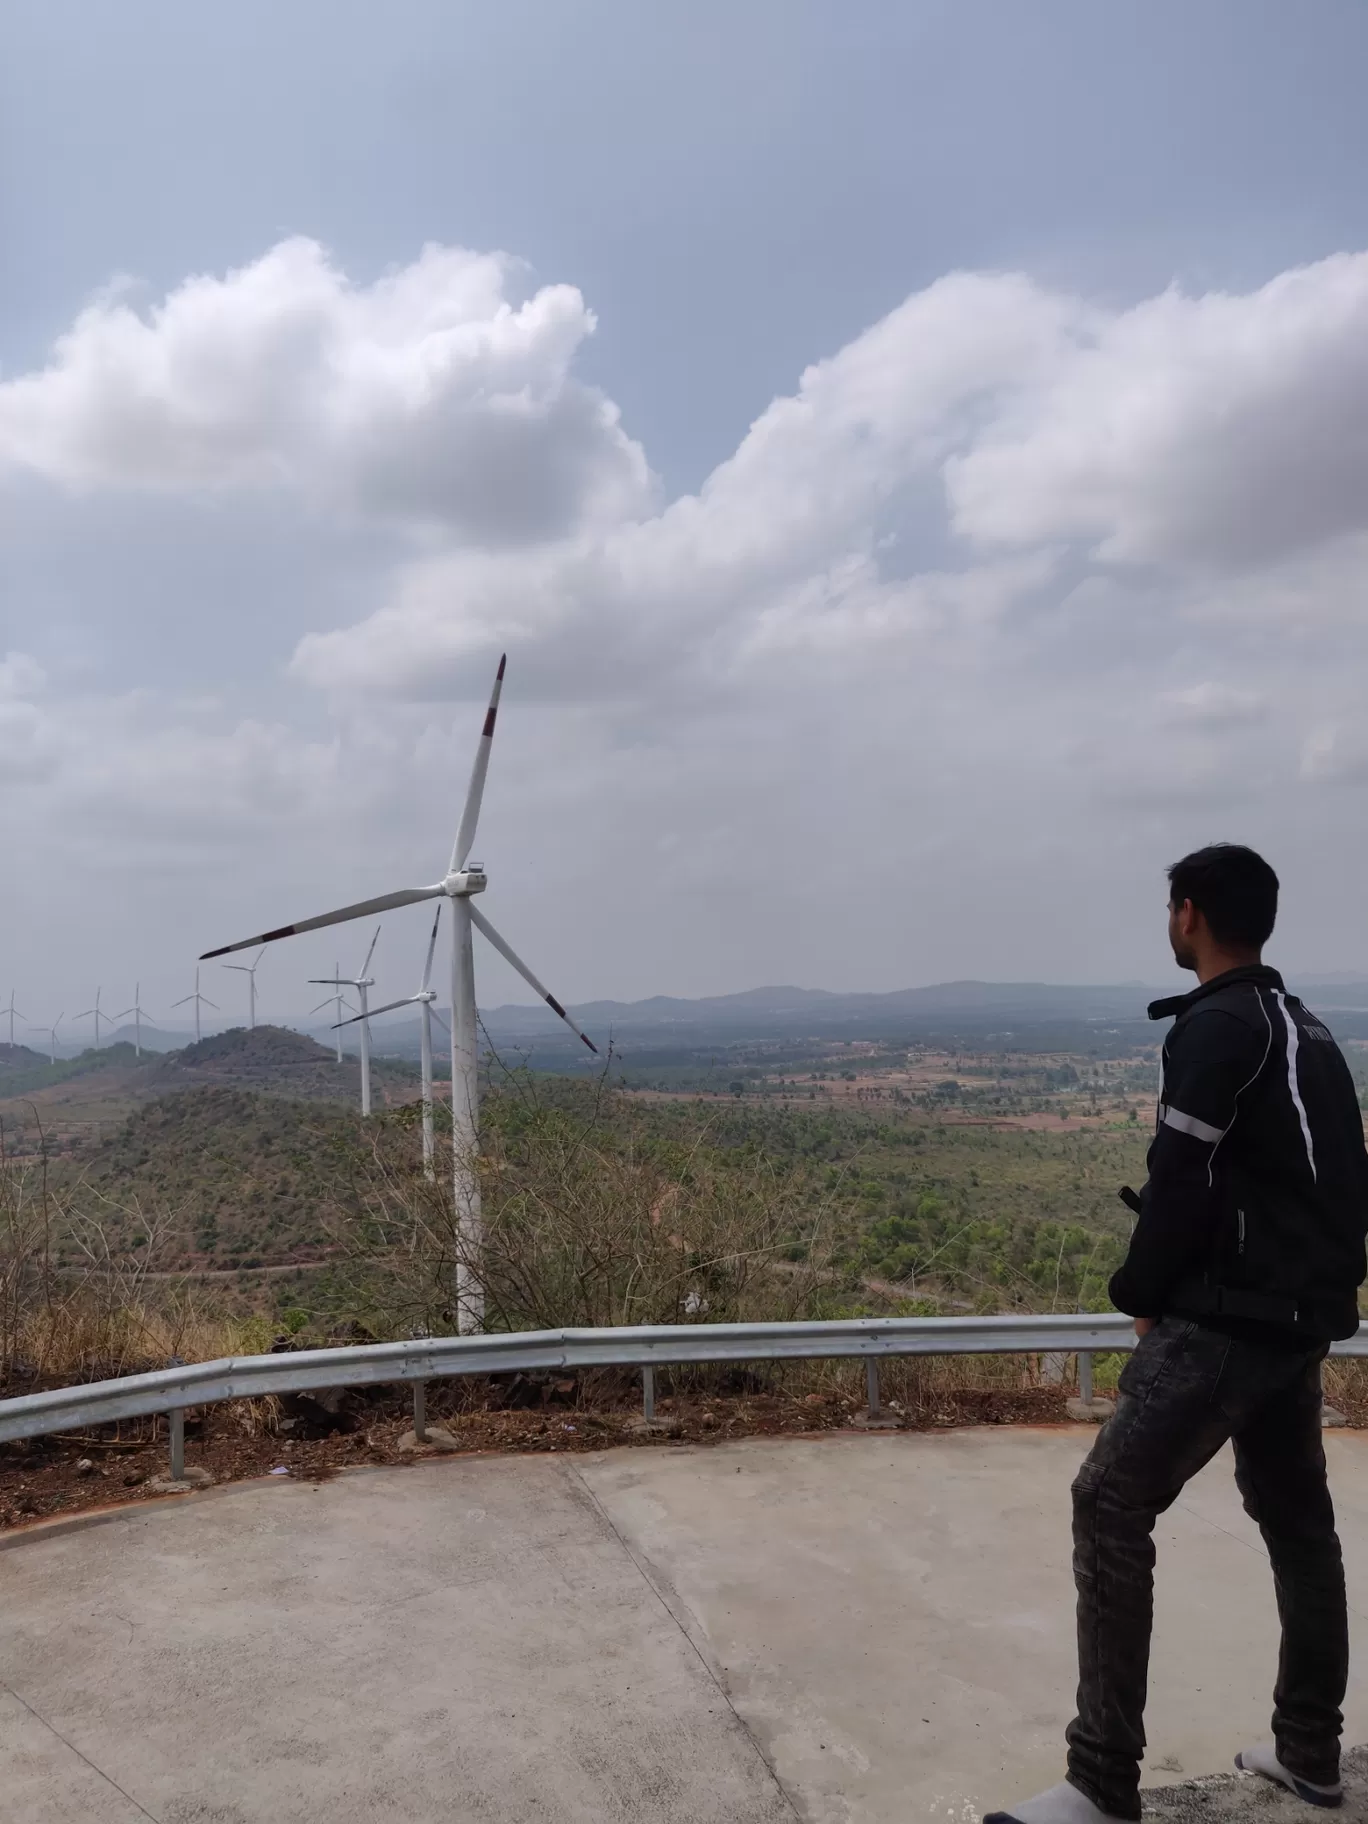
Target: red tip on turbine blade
(590, 1043)
(492, 711)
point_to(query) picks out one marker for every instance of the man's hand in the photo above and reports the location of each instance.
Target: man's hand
(1143, 1325)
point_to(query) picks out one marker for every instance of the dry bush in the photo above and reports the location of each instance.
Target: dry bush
(584, 1224)
(26, 1281)
(101, 1316)
(1346, 1386)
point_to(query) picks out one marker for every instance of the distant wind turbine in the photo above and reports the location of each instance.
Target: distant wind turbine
(51, 1031)
(460, 883)
(12, 1010)
(137, 1012)
(199, 999)
(247, 969)
(424, 997)
(361, 983)
(337, 1002)
(98, 1016)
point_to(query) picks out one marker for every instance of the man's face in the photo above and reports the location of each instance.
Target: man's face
(1183, 953)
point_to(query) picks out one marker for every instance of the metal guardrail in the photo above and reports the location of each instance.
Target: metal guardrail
(648, 1347)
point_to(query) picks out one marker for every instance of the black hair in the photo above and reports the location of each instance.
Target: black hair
(1233, 888)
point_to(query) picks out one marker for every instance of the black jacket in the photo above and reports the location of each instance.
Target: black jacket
(1256, 1205)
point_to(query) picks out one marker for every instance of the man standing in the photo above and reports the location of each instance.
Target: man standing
(1244, 1265)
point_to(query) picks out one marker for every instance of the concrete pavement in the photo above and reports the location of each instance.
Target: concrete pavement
(851, 1630)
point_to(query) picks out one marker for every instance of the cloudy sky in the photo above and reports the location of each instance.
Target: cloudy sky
(914, 455)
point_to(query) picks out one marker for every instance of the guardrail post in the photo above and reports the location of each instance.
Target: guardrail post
(176, 1416)
(420, 1411)
(872, 1385)
(1085, 1376)
(648, 1394)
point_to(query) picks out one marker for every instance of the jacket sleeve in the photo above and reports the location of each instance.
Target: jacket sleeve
(1212, 1057)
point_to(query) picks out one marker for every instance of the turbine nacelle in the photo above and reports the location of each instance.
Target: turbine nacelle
(462, 882)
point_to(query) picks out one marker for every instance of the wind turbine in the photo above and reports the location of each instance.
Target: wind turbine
(337, 1002)
(98, 1016)
(51, 1031)
(424, 997)
(361, 983)
(12, 1010)
(247, 969)
(137, 1012)
(197, 998)
(460, 883)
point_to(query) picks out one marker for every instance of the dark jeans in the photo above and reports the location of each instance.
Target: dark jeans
(1185, 1391)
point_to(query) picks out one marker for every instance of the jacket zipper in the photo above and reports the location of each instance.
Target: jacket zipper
(1240, 1214)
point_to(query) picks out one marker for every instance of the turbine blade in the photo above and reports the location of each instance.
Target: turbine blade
(432, 946)
(441, 1022)
(470, 816)
(189, 997)
(362, 909)
(478, 919)
(370, 953)
(371, 1012)
(208, 1002)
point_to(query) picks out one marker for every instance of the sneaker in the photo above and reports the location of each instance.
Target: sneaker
(1264, 1760)
(1062, 1804)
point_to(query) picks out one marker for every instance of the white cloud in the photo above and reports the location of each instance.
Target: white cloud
(20, 676)
(977, 597)
(1333, 755)
(28, 743)
(1182, 433)
(781, 546)
(1211, 705)
(1219, 430)
(429, 396)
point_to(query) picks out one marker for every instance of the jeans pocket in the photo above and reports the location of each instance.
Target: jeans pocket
(1153, 1354)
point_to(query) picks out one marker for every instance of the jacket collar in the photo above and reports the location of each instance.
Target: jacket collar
(1258, 973)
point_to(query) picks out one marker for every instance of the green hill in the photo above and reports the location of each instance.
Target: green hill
(245, 1177)
(276, 1061)
(268, 1058)
(15, 1058)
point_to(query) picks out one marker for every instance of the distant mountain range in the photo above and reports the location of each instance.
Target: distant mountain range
(1019, 1012)
(1023, 1015)
(819, 1008)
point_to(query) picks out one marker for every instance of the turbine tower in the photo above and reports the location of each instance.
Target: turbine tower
(361, 983)
(137, 1012)
(424, 997)
(51, 1031)
(98, 1016)
(460, 884)
(247, 969)
(337, 1002)
(199, 999)
(13, 1011)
